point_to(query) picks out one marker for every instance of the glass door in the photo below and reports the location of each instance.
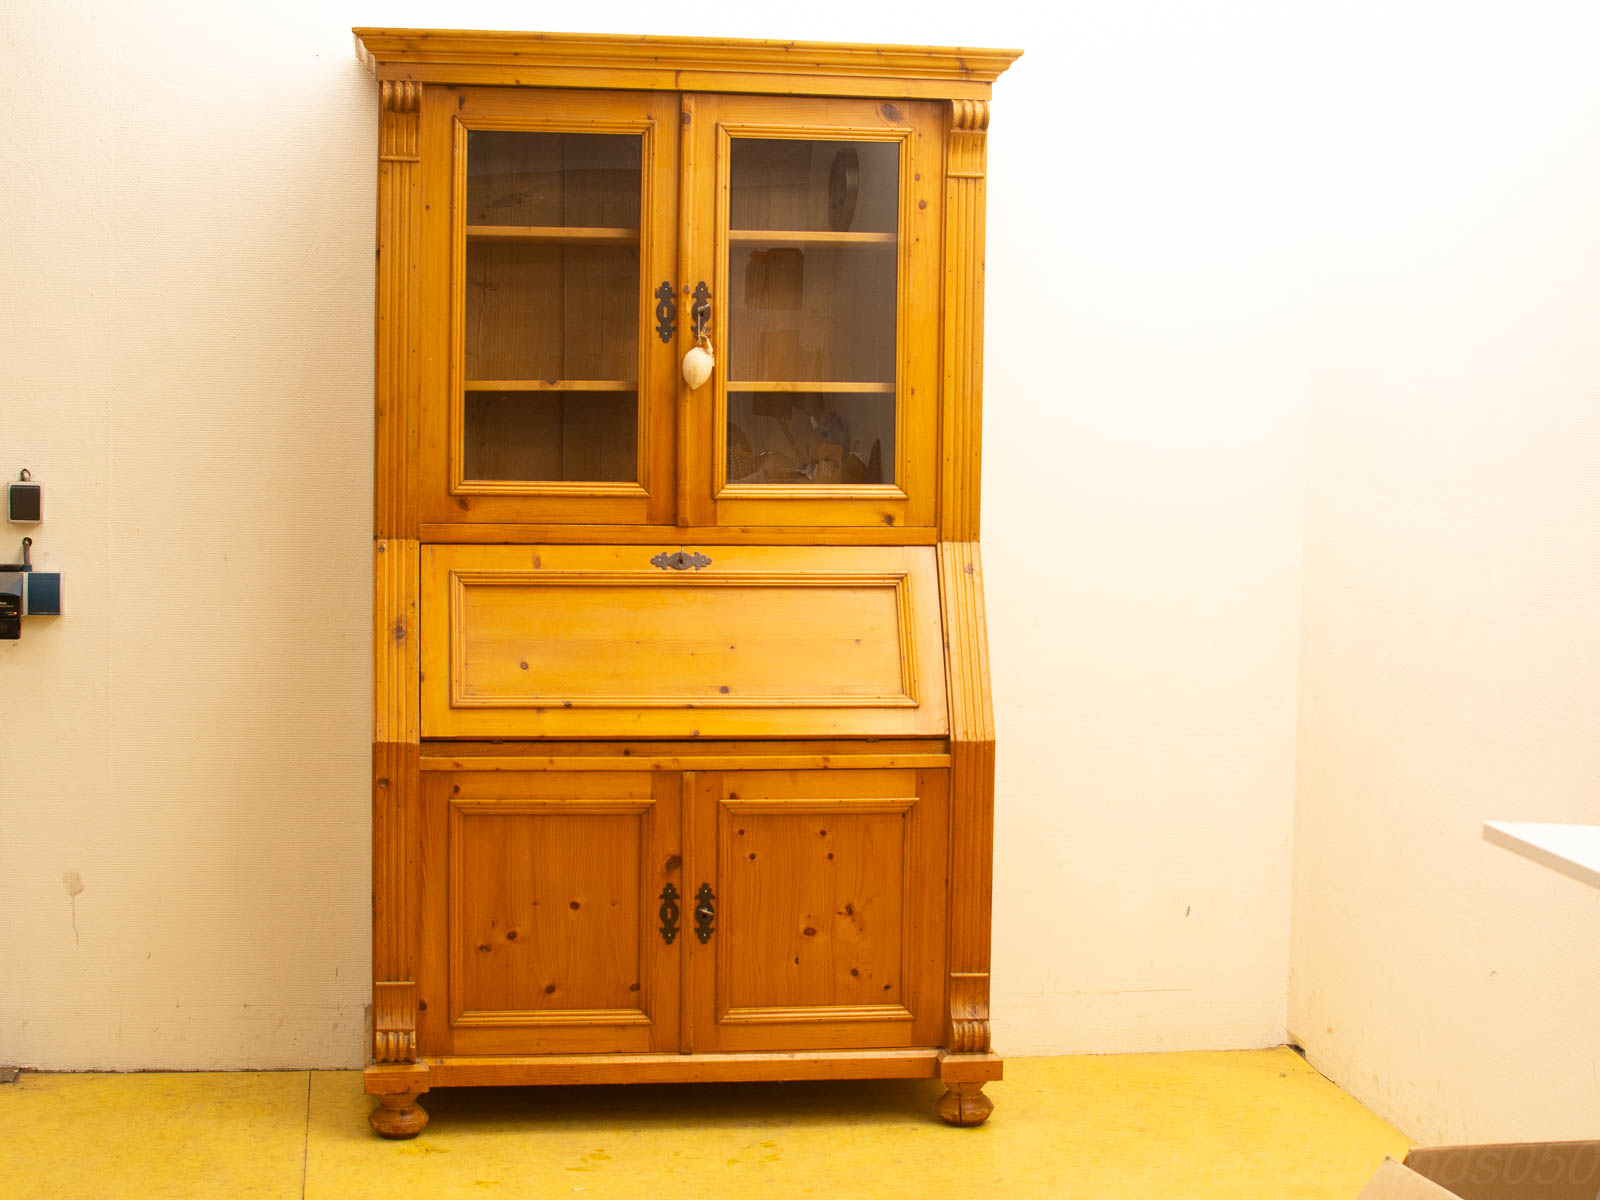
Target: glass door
(558, 388)
(815, 224)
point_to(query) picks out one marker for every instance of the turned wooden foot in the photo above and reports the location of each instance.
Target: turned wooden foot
(399, 1116)
(964, 1104)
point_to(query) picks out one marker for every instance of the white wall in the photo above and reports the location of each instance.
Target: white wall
(1144, 462)
(1451, 668)
(187, 296)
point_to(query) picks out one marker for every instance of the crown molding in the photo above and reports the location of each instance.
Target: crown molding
(671, 63)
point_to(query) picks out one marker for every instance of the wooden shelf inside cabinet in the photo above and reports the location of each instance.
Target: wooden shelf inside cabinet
(812, 237)
(807, 385)
(551, 385)
(564, 235)
(683, 754)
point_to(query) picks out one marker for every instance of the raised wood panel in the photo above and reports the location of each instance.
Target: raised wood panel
(549, 912)
(589, 641)
(794, 630)
(549, 922)
(820, 889)
(828, 930)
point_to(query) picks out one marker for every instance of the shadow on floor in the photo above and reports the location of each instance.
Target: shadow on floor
(605, 1108)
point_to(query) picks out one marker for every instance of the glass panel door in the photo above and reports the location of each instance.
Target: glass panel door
(821, 228)
(558, 396)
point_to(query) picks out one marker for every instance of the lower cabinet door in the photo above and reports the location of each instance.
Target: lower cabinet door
(815, 909)
(542, 912)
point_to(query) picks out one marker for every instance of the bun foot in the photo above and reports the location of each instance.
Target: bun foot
(964, 1104)
(398, 1116)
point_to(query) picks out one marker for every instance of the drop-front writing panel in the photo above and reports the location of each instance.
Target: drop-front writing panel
(640, 640)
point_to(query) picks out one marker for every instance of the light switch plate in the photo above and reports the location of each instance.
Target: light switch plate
(24, 502)
(43, 597)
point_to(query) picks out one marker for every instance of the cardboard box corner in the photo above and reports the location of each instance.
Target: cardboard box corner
(1511, 1171)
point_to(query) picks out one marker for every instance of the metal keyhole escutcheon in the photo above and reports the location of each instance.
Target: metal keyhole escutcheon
(669, 914)
(704, 913)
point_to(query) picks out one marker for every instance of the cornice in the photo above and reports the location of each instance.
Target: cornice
(608, 60)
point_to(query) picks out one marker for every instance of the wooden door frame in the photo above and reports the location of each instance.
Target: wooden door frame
(447, 799)
(449, 113)
(910, 503)
(711, 799)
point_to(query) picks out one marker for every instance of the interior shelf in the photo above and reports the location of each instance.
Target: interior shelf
(805, 385)
(551, 385)
(588, 235)
(813, 237)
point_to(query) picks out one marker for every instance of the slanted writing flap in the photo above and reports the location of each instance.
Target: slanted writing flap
(715, 641)
(1513, 1171)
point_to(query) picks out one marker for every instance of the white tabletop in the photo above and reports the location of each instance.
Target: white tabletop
(1574, 850)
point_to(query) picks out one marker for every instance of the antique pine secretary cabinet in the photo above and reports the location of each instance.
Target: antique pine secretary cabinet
(682, 755)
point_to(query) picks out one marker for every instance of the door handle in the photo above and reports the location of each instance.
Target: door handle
(699, 362)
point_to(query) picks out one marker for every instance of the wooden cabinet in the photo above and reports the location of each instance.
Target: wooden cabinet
(683, 755)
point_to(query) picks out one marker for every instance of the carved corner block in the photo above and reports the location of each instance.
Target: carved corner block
(969, 137)
(969, 1012)
(394, 1021)
(402, 97)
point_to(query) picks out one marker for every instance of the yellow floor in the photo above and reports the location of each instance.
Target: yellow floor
(1240, 1125)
